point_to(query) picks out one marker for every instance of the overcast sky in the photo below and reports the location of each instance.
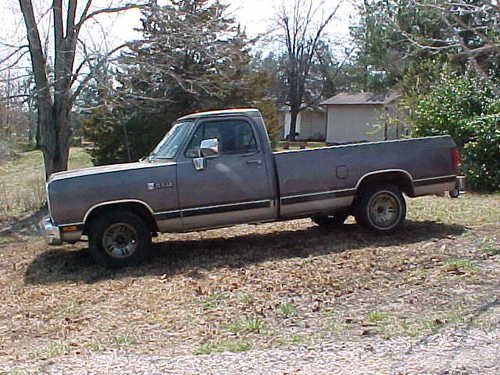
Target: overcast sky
(254, 15)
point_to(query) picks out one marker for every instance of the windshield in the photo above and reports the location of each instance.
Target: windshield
(169, 145)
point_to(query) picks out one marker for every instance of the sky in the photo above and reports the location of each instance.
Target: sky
(254, 15)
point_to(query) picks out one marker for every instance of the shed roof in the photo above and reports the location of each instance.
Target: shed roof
(361, 98)
(303, 107)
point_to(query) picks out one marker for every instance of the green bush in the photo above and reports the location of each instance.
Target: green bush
(462, 106)
(481, 154)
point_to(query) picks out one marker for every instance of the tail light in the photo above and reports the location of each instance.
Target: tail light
(455, 159)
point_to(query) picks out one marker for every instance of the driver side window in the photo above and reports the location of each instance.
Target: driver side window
(235, 137)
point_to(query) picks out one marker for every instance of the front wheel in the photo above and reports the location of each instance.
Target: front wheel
(119, 239)
(381, 209)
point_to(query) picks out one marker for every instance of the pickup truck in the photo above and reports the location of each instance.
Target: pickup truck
(217, 169)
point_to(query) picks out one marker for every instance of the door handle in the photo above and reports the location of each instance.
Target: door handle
(258, 162)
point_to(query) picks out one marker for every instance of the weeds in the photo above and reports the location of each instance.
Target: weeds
(234, 346)
(491, 250)
(287, 309)
(54, 349)
(123, 341)
(248, 325)
(460, 265)
(376, 316)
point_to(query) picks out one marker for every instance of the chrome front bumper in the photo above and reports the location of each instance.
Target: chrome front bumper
(52, 232)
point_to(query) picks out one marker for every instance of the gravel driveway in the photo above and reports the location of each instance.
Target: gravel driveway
(466, 352)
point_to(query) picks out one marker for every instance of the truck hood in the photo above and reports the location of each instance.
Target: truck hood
(106, 169)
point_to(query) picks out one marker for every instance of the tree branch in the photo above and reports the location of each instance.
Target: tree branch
(87, 16)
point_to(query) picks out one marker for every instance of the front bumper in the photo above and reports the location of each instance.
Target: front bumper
(51, 232)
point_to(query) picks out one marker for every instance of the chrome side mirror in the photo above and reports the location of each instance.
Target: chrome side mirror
(209, 147)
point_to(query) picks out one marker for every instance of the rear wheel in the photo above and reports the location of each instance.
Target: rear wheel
(119, 239)
(330, 220)
(381, 209)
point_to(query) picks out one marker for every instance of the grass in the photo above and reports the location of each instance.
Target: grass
(335, 286)
(54, 349)
(491, 250)
(460, 265)
(469, 209)
(248, 325)
(123, 341)
(6, 240)
(212, 300)
(22, 181)
(228, 345)
(376, 316)
(287, 309)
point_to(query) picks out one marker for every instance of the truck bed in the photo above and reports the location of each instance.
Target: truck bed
(326, 178)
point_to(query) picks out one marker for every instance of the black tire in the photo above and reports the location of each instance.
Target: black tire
(119, 239)
(381, 209)
(330, 220)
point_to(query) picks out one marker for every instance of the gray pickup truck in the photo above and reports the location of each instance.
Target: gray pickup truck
(217, 169)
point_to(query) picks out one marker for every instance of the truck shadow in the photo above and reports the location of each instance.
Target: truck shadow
(193, 255)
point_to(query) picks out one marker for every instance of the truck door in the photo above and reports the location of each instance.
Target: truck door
(233, 186)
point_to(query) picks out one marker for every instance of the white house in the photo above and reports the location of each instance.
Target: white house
(361, 117)
(311, 123)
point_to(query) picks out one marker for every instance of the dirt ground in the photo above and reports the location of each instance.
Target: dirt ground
(255, 294)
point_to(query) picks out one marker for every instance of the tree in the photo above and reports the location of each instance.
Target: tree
(397, 36)
(191, 57)
(56, 93)
(300, 29)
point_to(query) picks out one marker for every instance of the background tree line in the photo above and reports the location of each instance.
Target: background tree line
(441, 55)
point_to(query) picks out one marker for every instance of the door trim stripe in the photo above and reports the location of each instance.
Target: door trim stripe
(207, 210)
(322, 195)
(434, 180)
(241, 206)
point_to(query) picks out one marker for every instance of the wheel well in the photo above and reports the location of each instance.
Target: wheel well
(135, 207)
(399, 179)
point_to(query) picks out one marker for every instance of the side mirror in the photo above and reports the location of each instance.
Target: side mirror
(209, 147)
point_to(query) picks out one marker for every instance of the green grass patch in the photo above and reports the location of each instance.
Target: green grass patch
(287, 309)
(248, 325)
(460, 265)
(376, 316)
(5, 240)
(54, 349)
(491, 250)
(212, 300)
(123, 341)
(234, 346)
(245, 299)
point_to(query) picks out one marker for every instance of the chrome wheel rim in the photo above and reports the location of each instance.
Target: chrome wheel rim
(384, 210)
(120, 240)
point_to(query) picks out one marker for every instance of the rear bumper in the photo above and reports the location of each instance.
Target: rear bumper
(52, 232)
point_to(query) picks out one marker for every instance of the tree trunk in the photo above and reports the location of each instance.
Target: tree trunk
(294, 114)
(54, 138)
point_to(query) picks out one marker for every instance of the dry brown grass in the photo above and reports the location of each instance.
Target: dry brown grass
(226, 289)
(22, 182)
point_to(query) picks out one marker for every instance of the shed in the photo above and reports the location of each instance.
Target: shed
(358, 117)
(311, 123)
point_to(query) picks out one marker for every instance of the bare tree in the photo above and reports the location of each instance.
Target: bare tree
(300, 28)
(470, 32)
(57, 92)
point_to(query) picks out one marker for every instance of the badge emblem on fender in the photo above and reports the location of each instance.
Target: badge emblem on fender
(159, 185)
